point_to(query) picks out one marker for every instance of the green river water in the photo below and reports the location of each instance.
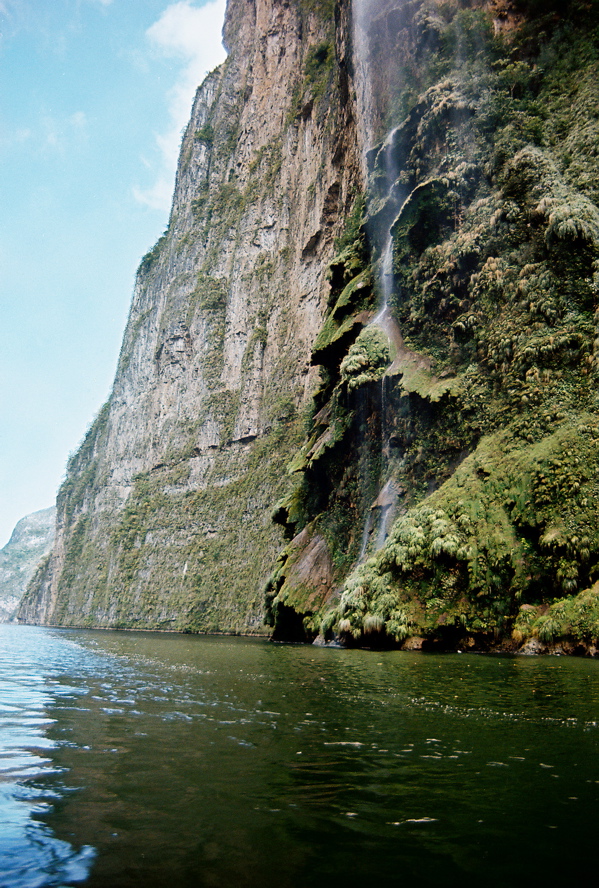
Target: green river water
(138, 759)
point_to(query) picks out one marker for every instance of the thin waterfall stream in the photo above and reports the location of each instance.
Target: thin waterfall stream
(384, 507)
(383, 510)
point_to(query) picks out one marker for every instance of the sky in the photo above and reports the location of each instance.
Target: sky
(94, 96)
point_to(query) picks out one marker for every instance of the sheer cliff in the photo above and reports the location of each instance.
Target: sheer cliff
(450, 468)
(30, 541)
(360, 370)
(164, 519)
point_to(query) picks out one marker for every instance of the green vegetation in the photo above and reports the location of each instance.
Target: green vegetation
(443, 482)
(318, 65)
(322, 9)
(313, 90)
(190, 543)
(205, 134)
(152, 255)
(487, 423)
(367, 359)
(82, 467)
(160, 565)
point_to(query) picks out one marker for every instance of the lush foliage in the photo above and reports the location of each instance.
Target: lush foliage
(487, 422)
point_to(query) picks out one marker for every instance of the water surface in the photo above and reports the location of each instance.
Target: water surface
(132, 759)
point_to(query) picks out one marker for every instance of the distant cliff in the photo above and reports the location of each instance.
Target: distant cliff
(373, 318)
(31, 539)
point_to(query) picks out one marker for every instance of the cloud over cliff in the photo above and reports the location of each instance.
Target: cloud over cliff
(192, 35)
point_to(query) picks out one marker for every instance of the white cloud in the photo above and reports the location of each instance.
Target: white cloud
(158, 197)
(16, 138)
(192, 34)
(57, 134)
(49, 132)
(78, 120)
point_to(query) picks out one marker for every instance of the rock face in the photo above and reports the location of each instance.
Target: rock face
(164, 519)
(454, 441)
(30, 541)
(435, 482)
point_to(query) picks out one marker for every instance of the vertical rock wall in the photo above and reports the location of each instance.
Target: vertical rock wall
(164, 520)
(449, 475)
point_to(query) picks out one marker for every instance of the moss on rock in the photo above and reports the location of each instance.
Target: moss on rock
(485, 426)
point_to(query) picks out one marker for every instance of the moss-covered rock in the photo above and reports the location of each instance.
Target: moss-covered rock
(485, 423)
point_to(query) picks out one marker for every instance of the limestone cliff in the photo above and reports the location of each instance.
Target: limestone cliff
(29, 542)
(392, 352)
(164, 519)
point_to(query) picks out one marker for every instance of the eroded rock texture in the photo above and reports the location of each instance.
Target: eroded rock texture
(165, 517)
(451, 463)
(393, 352)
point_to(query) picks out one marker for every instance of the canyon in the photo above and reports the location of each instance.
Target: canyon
(356, 396)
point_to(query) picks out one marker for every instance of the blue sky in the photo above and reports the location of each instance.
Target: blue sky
(94, 95)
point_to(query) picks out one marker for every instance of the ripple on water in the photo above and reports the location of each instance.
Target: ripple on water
(30, 855)
(208, 760)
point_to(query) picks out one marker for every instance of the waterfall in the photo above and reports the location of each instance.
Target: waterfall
(362, 13)
(367, 17)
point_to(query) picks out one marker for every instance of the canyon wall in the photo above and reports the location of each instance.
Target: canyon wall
(357, 394)
(164, 520)
(451, 465)
(29, 542)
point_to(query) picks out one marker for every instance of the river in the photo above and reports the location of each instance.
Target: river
(138, 759)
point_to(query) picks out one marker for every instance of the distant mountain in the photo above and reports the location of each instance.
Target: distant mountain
(31, 539)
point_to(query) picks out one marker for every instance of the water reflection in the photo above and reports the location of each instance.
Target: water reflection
(30, 855)
(195, 761)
